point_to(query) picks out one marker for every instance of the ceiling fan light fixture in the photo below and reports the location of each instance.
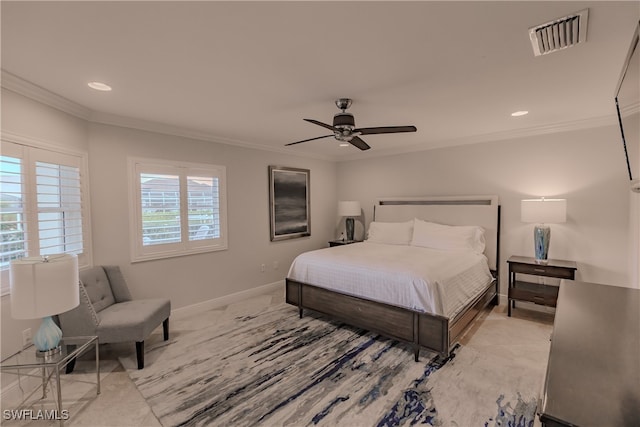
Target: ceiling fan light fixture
(344, 144)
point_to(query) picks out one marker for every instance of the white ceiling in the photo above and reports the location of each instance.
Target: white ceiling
(249, 72)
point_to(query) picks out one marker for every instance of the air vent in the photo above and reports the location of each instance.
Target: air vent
(560, 33)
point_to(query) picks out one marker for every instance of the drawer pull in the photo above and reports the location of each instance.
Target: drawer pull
(540, 270)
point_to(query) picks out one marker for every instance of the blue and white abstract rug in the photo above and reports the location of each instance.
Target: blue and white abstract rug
(274, 369)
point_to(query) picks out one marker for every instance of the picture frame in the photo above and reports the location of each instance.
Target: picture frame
(289, 203)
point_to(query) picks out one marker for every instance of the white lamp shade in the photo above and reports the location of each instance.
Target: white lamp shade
(541, 211)
(349, 208)
(40, 289)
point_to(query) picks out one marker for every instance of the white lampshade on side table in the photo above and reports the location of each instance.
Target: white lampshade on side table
(42, 287)
(349, 208)
(543, 211)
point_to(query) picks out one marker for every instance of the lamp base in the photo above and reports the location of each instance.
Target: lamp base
(541, 239)
(48, 354)
(48, 336)
(350, 226)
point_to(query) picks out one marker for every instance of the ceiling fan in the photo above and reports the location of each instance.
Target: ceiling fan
(344, 128)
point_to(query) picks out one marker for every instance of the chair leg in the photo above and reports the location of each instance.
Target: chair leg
(165, 328)
(140, 353)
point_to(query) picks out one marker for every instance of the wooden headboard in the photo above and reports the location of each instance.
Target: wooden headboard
(450, 210)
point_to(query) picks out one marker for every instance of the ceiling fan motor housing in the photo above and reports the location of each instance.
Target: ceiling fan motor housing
(343, 123)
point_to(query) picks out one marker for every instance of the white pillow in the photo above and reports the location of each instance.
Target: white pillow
(391, 233)
(448, 237)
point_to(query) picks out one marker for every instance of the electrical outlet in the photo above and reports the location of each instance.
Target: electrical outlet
(26, 338)
(263, 267)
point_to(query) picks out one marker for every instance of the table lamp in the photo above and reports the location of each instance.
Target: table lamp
(349, 209)
(543, 211)
(42, 287)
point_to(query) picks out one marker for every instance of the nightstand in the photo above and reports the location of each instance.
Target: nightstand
(520, 290)
(333, 243)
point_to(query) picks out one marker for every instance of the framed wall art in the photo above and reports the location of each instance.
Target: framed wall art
(289, 203)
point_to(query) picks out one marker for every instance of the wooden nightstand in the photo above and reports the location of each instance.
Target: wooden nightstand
(333, 243)
(537, 293)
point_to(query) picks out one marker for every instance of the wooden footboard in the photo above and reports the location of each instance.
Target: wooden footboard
(436, 333)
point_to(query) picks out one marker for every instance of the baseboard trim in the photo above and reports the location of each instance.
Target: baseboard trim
(502, 299)
(228, 299)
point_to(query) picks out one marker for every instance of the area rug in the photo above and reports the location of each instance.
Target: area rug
(274, 369)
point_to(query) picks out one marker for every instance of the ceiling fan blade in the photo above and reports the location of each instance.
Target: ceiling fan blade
(357, 142)
(385, 129)
(310, 139)
(315, 122)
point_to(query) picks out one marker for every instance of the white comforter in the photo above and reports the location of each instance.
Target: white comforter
(422, 279)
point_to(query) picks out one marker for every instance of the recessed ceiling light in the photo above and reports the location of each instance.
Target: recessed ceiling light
(100, 86)
(519, 113)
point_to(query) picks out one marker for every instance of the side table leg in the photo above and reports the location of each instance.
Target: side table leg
(97, 367)
(44, 383)
(59, 396)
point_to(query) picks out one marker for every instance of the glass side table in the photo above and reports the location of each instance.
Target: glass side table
(25, 362)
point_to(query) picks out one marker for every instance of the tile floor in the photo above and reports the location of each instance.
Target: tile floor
(525, 335)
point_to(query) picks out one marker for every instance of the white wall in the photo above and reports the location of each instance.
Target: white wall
(632, 135)
(191, 279)
(585, 167)
(24, 117)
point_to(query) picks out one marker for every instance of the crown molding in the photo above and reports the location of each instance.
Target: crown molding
(23, 87)
(161, 128)
(16, 84)
(569, 126)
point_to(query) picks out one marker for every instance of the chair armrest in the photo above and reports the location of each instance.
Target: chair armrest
(118, 284)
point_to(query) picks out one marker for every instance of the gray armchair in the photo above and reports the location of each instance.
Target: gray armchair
(107, 310)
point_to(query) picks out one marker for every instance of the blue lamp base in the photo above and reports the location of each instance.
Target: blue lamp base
(541, 238)
(47, 338)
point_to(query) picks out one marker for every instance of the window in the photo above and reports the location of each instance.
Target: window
(178, 208)
(41, 205)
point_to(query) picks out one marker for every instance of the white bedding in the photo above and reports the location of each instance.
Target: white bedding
(422, 279)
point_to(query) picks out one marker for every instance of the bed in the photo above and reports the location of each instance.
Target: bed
(352, 283)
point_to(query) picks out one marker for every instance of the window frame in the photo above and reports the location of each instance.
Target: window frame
(140, 252)
(30, 152)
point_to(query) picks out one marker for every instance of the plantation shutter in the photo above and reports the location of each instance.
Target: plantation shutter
(179, 209)
(13, 238)
(59, 201)
(160, 204)
(42, 203)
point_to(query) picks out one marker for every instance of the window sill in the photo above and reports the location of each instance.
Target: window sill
(165, 255)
